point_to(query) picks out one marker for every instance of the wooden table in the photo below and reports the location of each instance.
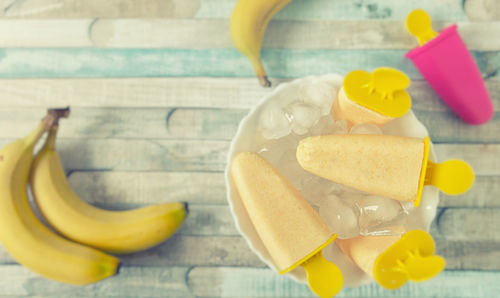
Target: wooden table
(157, 92)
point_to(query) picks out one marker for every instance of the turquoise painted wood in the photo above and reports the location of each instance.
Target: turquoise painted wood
(346, 9)
(289, 63)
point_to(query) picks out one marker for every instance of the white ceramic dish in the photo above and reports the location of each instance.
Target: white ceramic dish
(419, 218)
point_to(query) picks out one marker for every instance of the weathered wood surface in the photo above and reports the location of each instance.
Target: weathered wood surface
(129, 189)
(214, 33)
(297, 10)
(213, 124)
(171, 62)
(157, 92)
(233, 282)
(205, 92)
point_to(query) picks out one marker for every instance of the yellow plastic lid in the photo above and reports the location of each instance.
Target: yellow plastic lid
(410, 258)
(382, 91)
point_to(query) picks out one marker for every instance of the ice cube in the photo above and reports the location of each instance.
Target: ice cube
(337, 128)
(318, 93)
(290, 167)
(322, 126)
(273, 150)
(366, 129)
(341, 218)
(273, 123)
(302, 116)
(381, 216)
(314, 189)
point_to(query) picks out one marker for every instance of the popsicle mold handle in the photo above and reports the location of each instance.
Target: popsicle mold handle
(410, 258)
(420, 268)
(325, 278)
(418, 23)
(452, 177)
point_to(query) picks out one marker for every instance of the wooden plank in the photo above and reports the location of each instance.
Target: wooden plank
(253, 282)
(208, 124)
(112, 189)
(133, 92)
(297, 10)
(235, 93)
(54, 9)
(484, 193)
(130, 189)
(233, 251)
(470, 255)
(187, 251)
(136, 123)
(131, 281)
(347, 9)
(281, 63)
(482, 10)
(468, 224)
(214, 33)
(482, 158)
(234, 282)
(205, 155)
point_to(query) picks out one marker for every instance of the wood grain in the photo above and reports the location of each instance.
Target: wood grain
(297, 10)
(98, 9)
(226, 281)
(253, 282)
(200, 92)
(214, 33)
(207, 124)
(131, 281)
(205, 155)
(227, 62)
(116, 189)
(234, 251)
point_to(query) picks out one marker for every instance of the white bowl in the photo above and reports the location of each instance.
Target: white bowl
(419, 218)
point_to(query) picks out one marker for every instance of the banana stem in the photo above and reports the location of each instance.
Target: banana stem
(50, 143)
(59, 113)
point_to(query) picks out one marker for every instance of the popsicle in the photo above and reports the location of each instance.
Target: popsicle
(374, 98)
(390, 166)
(292, 232)
(448, 66)
(391, 260)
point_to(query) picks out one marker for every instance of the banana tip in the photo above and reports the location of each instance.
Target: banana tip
(264, 81)
(186, 207)
(118, 267)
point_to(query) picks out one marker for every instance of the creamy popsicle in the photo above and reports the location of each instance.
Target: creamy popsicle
(392, 260)
(292, 232)
(390, 166)
(375, 98)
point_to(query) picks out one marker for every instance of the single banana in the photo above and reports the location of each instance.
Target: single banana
(26, 238)
(113, 231)
(248, 25)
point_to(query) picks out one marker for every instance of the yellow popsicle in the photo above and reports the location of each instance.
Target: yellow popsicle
(375, 98)
(292, 232)
(390, 166)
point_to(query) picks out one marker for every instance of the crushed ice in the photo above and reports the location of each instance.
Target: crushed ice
(305, 112)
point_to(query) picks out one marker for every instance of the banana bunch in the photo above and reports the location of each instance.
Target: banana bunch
(248, 25)
(77, 256)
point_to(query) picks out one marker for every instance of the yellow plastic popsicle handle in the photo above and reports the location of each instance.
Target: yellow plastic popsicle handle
(325, 278)
(452, 177)
(418, 23)
(410, 258)
(382, 91)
